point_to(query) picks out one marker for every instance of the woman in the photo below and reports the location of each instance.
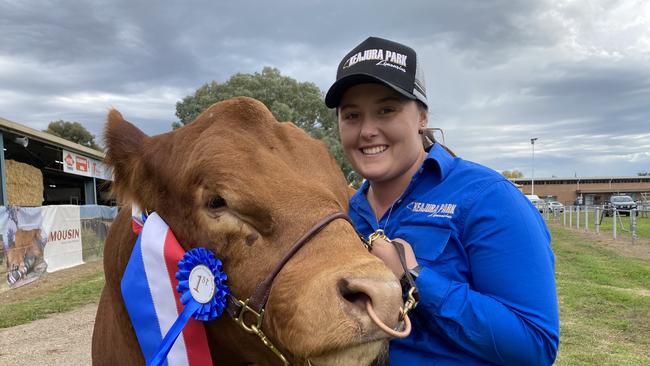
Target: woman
(479, 250)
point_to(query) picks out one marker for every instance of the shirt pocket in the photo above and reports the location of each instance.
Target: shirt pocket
(431, 243)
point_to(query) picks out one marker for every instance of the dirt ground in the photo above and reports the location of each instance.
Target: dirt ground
(625, 247)
(62, 339)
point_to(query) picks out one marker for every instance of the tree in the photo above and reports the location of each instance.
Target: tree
(643, 174)
(288, 99)
(512, 174)
(73, 131)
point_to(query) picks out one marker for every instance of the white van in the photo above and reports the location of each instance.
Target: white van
(536, 201)
(533, 198)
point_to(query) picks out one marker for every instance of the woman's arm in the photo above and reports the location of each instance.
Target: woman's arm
(508, 314)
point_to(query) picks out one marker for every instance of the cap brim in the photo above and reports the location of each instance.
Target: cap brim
(335, 93)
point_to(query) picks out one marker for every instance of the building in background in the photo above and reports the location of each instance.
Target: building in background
(40, 169)
(587, 190)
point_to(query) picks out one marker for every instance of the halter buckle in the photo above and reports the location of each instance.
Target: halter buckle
(379, 234)
(411, 301)
(245, 309)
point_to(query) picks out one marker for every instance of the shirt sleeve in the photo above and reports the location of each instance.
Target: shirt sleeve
(508, 313)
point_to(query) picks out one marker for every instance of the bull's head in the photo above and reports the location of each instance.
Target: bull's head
(241, 184)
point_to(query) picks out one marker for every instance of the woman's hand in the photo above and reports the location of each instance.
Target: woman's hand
(385, 251)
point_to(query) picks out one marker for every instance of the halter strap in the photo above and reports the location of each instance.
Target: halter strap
(260, 295)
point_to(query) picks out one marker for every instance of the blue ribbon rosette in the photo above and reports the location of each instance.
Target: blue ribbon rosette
(203, 292)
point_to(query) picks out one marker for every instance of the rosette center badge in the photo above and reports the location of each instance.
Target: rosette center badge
(202, 285)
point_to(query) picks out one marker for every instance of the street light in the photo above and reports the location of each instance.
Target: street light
(532, 181)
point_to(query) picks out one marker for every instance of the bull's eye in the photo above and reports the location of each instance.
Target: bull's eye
(216, 203)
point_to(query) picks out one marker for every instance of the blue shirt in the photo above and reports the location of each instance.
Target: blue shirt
(487, 286)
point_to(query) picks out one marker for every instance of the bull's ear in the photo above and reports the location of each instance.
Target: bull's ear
(124, 144)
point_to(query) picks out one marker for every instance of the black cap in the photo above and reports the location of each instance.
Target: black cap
(378, 60)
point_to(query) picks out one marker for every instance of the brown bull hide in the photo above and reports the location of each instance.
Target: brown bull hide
(276, 182)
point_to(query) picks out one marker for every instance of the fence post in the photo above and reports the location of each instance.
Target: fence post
(597, 220)
(633, 224)
(570, 216)
(577, 217)
(614, 213)
(564, 216)
(586, 218)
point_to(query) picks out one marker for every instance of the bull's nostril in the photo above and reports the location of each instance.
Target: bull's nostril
(357, 298)
(381, 291)
(353, 296)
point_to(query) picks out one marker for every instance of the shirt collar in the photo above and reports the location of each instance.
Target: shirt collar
(439, 156)
(360, 196)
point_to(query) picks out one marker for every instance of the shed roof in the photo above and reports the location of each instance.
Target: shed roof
(17, 128)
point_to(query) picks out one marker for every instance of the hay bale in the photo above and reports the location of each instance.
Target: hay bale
(24, 184)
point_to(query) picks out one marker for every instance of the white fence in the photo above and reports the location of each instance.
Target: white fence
(600, 219)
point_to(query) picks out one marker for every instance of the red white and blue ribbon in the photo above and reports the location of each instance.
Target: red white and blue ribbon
(137, 218)
(166, 290)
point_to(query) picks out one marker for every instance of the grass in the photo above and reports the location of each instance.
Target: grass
(642, 226)
(82, 291)
(604, 303)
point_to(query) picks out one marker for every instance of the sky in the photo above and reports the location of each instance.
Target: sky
(574, 74)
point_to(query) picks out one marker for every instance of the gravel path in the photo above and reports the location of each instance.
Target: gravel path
(61, 339)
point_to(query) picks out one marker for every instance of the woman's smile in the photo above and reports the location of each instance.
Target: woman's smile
(373, 150)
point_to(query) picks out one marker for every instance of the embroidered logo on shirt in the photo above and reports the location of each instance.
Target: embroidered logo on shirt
(434, 210)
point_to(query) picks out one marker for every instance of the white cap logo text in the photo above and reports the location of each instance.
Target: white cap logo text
(385, 58)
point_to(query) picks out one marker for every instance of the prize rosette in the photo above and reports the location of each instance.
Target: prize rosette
(202, 280)
(203, 292)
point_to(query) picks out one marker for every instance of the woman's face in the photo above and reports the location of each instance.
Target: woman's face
(379, 132)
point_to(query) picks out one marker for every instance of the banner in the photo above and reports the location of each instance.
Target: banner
(63, 248)
(36, 239)
(74, 163)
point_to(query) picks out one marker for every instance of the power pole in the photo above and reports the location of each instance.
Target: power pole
(532, 180)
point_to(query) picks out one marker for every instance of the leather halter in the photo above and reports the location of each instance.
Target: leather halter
(260, 295)
(253, 308)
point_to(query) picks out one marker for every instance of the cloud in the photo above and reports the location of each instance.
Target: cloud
(574, 73)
